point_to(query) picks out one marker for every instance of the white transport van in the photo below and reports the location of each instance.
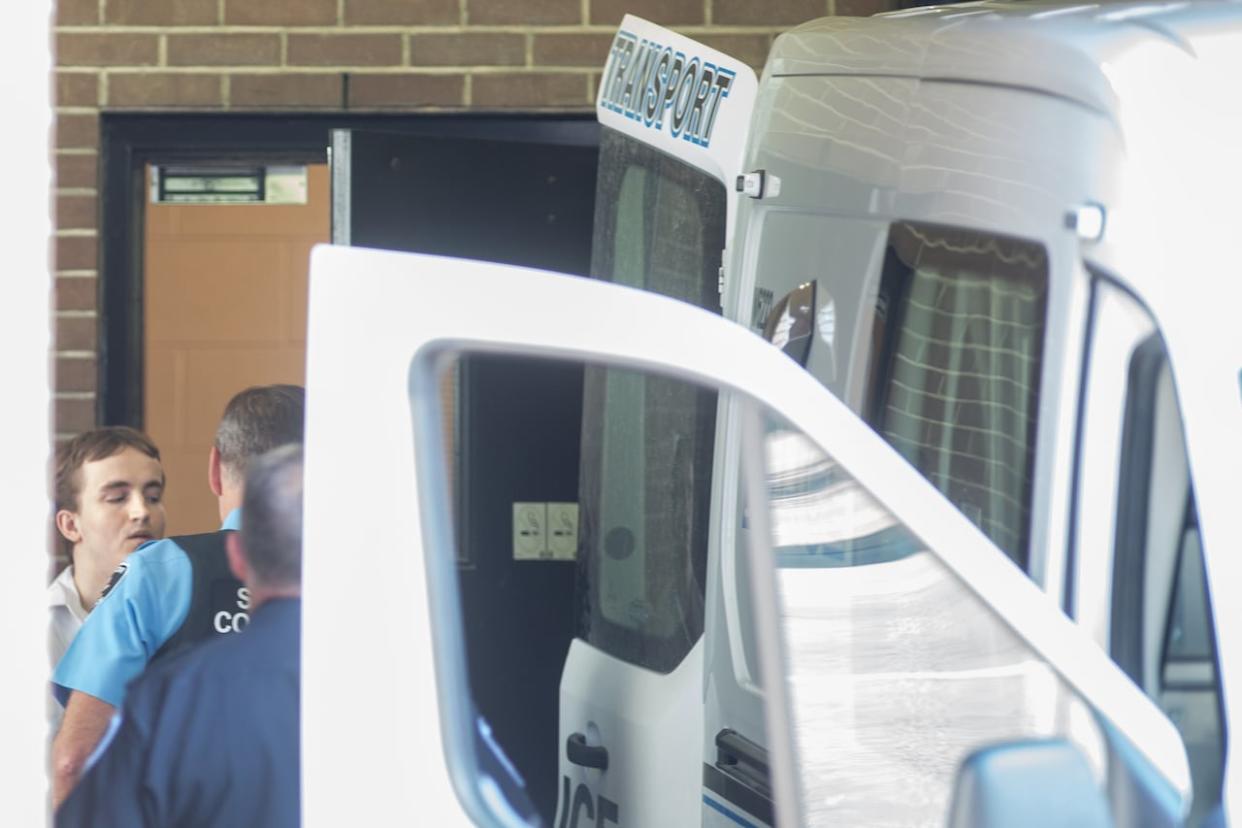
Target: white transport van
(960, 550)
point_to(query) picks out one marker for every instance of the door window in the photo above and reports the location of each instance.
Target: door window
(955, 379)
(898, 669)
(645, 478)
(1161, 628)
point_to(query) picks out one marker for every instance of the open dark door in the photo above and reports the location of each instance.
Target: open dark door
(517, 192)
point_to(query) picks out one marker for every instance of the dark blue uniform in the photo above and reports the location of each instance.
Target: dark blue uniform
(207, 738)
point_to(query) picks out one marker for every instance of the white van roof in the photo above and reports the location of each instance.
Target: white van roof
(1057, 48)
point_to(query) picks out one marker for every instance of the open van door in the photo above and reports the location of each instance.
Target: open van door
(906, 660)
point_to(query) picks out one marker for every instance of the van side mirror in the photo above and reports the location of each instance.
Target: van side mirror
(1028, 783)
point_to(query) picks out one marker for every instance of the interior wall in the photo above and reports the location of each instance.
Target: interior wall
(225, 289)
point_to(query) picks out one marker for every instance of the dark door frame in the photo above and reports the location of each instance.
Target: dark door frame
(130, 141)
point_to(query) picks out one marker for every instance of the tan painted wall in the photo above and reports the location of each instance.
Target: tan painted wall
(225, 289)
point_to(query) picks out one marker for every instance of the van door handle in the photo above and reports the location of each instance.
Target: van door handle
(580, 753)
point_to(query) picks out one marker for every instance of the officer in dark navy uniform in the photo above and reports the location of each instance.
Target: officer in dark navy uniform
(209, 738)
(170, 594)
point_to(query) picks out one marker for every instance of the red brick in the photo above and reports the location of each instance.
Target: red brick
(91, 49)
(77, 89)
(74, 374)
(164, 89)
(76, 252)
(77, 12)
(286, 90)
(76, 212)
(161, 12)
(75, 293)
(527, 12)
(76, 333)
(750, 49)
(223, 50)
(280, 12)
(344, 50)
(367, 91)
(529, 90)
(571, 49)
(77, 130)
(394, 12)
(864, 8)
(768, 13)
(664, 12)
(78, 171)
(74, 416)
(471, 49)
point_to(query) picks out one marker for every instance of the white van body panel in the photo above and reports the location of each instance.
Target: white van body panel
(630, 709)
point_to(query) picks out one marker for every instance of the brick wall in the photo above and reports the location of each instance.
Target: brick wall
(330, 55)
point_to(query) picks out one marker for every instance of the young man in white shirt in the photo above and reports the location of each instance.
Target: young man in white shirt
(109, 501)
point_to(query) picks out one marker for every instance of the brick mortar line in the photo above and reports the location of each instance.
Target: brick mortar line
(77, 274)
(447, 28)
(75, 353)
(77, 150)
(76, 233)
(74, 395)
(77, 314)
(76, 110)
(289, 71)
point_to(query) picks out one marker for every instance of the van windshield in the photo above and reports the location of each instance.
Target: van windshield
(645, 477)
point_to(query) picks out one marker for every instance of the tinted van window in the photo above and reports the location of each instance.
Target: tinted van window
(645, 482)
(955, 381)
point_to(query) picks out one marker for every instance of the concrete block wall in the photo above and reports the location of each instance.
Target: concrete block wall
(329, 55)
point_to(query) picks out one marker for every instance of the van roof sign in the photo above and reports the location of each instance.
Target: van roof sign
(677, 95)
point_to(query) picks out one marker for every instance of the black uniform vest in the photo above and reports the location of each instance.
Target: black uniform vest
(219, 604)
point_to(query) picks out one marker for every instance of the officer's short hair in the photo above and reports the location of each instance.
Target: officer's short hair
(272, 517)
(88, 447)
(258, 420)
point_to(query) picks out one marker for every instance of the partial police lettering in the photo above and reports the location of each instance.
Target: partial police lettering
(234, 622)
(649, 82)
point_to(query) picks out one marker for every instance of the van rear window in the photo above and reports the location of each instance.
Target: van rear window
(954, 385)
(646, 462)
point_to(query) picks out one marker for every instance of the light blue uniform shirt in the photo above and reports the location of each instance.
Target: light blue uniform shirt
(146, 605)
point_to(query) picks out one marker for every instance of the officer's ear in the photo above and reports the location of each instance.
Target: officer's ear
(215, 474)
(237, 557)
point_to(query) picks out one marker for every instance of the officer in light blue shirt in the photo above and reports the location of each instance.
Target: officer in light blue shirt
(149, 601)
(170, 594)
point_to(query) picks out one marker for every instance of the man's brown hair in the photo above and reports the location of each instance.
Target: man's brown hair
(88, 447)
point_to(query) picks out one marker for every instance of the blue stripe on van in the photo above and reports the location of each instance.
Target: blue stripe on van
(738, 818)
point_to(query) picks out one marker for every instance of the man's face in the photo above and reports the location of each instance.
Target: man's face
(120, 507)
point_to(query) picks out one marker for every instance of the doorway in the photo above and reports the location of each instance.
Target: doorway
(197, 305)
(225, 288)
